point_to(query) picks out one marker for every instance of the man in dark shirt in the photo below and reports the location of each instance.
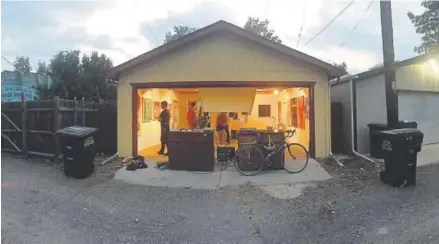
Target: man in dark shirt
(164, 119)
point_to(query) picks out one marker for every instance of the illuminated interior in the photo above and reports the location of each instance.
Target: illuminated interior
(262, 108)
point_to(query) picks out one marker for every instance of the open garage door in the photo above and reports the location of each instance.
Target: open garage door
(236, 99)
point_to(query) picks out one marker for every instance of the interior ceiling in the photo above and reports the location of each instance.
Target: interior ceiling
(194, 90)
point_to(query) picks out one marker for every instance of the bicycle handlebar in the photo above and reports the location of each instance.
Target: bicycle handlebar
(286, 134)
(289, 133)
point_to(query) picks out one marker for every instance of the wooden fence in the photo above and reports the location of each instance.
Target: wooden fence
(30, 127)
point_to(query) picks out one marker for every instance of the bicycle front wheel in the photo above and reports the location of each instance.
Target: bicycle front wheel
(249, 161)
(296, 158)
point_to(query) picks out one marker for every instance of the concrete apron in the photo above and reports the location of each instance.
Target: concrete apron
(429, 154)
(279, 182)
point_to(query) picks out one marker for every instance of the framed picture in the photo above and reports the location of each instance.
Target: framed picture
(174, 113)
(157, 110)
(146, 109)
(233, 116)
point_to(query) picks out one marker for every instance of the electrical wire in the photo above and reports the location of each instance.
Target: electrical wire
(329, 23)
(267, 7)
(301, 25)
(7, 61)
(356, 24)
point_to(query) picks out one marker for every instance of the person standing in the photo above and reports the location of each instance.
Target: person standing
(164, 119)
(221, 122)
(192, 116)
(226, 129)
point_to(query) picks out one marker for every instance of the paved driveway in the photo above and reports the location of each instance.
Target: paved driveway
(40, 205)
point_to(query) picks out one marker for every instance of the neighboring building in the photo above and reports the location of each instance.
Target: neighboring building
(226, 67)
(13, 85)
(417, 86)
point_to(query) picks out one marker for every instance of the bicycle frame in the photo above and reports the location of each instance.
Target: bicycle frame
(276, 151)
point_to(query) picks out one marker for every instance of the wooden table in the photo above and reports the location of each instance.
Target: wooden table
(191, 150)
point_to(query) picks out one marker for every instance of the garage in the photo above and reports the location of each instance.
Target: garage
(223, 68)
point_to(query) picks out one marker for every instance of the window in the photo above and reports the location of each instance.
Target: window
(264, 110)
(146, 109)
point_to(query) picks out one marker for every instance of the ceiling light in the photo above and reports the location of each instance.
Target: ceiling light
(276, 92)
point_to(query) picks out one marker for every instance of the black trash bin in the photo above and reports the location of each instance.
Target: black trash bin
(375, 138)
(401, 147)
(78, 148)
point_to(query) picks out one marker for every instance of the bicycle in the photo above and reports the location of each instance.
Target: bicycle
(249, 160)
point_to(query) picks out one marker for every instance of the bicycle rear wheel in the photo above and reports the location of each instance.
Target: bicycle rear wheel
(249, 161)
(296, 158)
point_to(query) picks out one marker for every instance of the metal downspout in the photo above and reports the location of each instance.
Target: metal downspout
(353, 132)
(330, 83)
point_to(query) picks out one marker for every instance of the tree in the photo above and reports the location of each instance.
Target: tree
(73, 76)
(22, 65)
(94, 69)
(427, 24)
(342, 66)
(178, 32)
(42, 68)
(256, 26)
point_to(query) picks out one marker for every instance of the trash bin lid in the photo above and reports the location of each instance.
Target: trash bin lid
(76, 131)
(382, 126)
(401, 131)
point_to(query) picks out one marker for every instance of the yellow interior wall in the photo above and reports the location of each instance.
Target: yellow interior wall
(224, 58)
(302, 135)
(183, 99)
(150, 131)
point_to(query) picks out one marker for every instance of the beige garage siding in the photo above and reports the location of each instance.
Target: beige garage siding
(224, 58)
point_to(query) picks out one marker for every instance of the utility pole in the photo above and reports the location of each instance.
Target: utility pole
(389, 59)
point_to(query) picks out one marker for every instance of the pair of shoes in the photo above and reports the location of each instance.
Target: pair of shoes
(165, 154)
(160, 152)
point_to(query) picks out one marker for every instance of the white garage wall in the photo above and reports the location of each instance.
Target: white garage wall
(371, 108)
(422, 107)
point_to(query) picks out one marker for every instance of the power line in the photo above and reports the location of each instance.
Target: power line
(329, 23)
(356, 24)
(301, 25)
(7, 60)
(267, 7)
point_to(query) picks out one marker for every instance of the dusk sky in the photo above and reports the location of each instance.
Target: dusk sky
(125, 29)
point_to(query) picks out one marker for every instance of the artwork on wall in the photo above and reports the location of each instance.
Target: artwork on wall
(306, 107)
(157, 110)
(294, 116)
(297, 107)
(146, 109)
(175, 113)
(233, 116)
(301, 112)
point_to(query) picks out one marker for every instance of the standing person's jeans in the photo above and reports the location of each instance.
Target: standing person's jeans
(164, 139)
(226, 127)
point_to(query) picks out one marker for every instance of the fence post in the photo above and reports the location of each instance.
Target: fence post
(83, 111)
(24, 127)
(56, 128)
(76, 112)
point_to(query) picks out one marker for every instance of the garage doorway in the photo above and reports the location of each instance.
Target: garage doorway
(275, 106)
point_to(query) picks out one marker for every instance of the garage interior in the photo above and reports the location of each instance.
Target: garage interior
(276, 108)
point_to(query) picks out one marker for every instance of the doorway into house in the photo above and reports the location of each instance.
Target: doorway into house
(270, 108)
